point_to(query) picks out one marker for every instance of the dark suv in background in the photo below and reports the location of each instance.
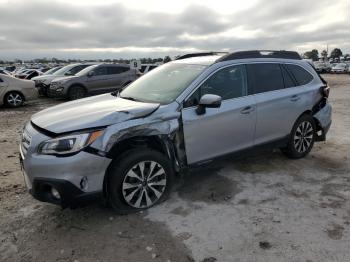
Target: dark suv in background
(96, 79)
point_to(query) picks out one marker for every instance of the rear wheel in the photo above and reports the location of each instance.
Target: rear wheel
(139, 180)
(76, 92)
(302, 138)
(14, 99)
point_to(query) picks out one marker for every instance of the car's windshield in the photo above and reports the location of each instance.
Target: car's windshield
(63, 70)
(52, 70)
(163, 84)
(86, 70)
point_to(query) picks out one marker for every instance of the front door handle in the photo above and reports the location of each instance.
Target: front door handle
(247, 110)
(294, 98)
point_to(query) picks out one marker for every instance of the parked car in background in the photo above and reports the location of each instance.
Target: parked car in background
(95, 79)
(43, 82)
(28, 74)
(10, 68)
(322, 67)
(5, 72)
(14, 92)
(340, 68)
(127, 147)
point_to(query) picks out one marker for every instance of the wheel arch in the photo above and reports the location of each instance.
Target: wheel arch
(160, 143)
(77, 85)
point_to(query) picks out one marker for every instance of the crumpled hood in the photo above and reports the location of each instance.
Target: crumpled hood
(43, 77)
(96, 111)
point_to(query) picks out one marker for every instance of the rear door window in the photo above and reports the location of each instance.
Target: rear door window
(265, 77)
(302, 76)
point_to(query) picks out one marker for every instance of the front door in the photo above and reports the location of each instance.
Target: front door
(99, 81)
(222, 130)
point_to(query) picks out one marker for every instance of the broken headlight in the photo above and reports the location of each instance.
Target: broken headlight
(68, 144)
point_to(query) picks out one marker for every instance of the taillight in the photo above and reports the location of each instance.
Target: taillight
(325, 91)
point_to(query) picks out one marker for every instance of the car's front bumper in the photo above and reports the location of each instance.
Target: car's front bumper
(52, 92)
(77, 178)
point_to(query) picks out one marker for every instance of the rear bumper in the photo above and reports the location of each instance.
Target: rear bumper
(30, 93)
(70, 195)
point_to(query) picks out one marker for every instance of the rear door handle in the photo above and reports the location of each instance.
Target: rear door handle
(247, 110)
(294, 98)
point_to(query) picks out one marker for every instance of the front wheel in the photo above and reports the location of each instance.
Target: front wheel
(139, 180)
(76, 92)
(302, 138)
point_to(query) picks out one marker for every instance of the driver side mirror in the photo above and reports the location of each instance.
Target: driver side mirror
(210, 101)
(91, 74)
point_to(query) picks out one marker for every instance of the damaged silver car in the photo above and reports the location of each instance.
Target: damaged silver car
(127, 147)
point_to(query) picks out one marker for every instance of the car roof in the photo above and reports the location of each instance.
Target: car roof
(199, 60)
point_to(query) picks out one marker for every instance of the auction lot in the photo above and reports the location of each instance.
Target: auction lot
(263, 207)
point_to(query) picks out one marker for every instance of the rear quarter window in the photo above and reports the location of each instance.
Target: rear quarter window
(302, 77)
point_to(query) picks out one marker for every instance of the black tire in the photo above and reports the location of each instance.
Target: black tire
(299, 148)
(13, 99)
(76, 92)
(118, 179)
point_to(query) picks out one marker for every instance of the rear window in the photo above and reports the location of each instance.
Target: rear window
(302, 76)
(266, 77)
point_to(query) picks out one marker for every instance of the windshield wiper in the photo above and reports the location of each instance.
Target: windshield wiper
(129, 98)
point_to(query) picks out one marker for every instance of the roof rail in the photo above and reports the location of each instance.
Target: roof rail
(199, 54)
(260, 54)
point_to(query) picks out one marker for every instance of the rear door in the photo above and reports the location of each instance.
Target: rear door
(220, 130)
(279, 100)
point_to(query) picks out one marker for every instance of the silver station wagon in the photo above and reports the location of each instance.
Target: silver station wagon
(128, 146)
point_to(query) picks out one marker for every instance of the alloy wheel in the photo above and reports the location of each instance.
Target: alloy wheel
(303, 137)
(144, 184)
(14, 99)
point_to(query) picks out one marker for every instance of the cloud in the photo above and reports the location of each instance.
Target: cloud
(35, 28)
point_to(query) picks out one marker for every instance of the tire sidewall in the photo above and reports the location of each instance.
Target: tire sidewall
(291, 147)
(118, 170)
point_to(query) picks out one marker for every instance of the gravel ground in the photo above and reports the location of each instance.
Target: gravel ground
(264, 207)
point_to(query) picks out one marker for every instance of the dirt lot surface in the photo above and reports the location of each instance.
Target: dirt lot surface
(261, 208)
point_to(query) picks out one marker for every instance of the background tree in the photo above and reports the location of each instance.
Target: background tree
(324, 54)
(336, 53)
(313, 54)
(166, 59)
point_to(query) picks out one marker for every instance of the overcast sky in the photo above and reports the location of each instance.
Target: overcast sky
(132, 29)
